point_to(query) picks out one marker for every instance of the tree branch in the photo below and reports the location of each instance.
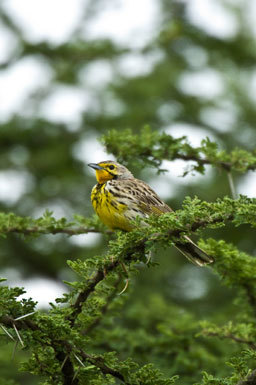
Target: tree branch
(243, 210)
(38, 230)
(104, 309)
(230, 336)
(161, 146)
(227, 166)
(105, 369)
(89, 288)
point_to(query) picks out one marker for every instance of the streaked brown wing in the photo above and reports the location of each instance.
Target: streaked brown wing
(150, 203)
(146, 198)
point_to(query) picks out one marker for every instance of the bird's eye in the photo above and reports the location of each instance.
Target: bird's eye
(111, 167)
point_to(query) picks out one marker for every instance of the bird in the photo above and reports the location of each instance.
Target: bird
(118, 198)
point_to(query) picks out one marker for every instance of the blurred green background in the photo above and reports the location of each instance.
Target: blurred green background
(69, 72)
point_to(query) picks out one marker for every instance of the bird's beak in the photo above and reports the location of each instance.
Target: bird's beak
(95, 166)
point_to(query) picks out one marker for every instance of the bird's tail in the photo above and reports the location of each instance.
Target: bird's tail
(194, 254)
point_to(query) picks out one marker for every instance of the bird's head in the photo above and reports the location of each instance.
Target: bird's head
(110, 169)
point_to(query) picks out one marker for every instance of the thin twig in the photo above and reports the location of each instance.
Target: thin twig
(99, 362)
(234, 338)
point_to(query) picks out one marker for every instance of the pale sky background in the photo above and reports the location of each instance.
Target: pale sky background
(121, 20)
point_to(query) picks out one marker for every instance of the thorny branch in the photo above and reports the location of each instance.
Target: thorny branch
(67, 368)
(64, 358)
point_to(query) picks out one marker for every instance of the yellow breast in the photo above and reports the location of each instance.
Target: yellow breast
(110, 211)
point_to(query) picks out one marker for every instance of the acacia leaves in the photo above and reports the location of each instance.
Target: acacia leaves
(47, 224)
(150, 147)
(81, 338)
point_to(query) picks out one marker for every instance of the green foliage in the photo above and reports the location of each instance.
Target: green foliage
(174, 323)
(152, 147)
(47, 224)
(66, 343)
